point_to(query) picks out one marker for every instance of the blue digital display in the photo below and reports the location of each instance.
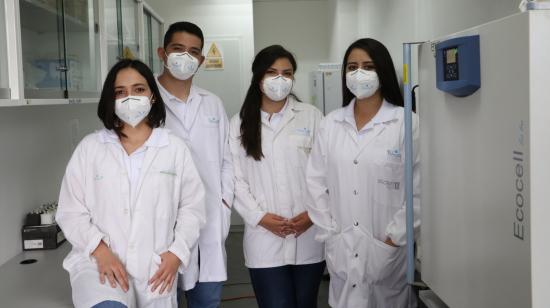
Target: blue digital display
(458, 65)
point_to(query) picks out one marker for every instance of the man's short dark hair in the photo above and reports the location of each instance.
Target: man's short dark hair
(183, 26)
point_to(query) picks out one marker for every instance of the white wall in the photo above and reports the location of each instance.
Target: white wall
(343, 28)
(440, 17)
(36, 144)
(299, 26)
(396, 21)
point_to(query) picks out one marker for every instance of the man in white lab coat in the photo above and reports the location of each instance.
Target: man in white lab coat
(198, 117)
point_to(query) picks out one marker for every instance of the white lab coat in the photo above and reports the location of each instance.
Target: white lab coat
(205, 130)
(276, 184)
(357, 182)
(95, 204)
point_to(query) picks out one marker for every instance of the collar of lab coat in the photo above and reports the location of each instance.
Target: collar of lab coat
(194, 91)
(292, 106)
(265, 115)
(159, 137)
(295, 105)
(386, 113)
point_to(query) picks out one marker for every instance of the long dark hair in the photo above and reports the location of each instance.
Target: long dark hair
(251, 122)
(106, 107)
(389, 86)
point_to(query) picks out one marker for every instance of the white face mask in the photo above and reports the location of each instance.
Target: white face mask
(362, 83)
(182, 65)
(277, 88)
(132, 109)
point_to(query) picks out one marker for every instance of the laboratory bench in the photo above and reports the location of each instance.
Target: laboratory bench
(43, 284)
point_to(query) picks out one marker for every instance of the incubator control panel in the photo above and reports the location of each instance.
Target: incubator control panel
(458, 65)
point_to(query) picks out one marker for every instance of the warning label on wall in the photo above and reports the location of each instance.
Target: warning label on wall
(214, 58)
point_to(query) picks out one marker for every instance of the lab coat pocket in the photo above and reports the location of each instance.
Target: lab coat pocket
(167, 182)
(226, 220)
(153, 268)
(336, 255)
(383, 261)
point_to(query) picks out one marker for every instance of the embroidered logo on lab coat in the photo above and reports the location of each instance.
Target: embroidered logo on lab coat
(213, 120)
(394, 155)
(303, 131)
(389, 184)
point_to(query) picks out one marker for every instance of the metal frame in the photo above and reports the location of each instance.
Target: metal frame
(147, 11)
(407, 90)
(103, 54)
(14, 53)
(5, 92)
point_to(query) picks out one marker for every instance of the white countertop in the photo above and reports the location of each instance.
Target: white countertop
(44, 284)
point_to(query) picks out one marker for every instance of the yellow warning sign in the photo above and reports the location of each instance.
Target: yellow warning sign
(214, 58)
(214, 52)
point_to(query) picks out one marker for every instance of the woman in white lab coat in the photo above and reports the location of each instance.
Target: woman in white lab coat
(270, 141)
(355, 176)
(131, 202)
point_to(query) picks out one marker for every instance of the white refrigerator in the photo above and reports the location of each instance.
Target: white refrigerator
(326, 87)
(486, 171)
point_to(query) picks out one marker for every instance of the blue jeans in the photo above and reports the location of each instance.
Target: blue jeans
(204, 295)
(110, 304)
(289, 286)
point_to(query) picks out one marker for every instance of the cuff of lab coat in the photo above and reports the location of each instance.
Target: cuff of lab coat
(322, 235)
(94, 242)
(182, 254)
(228, 198)
(255, 217)
(398, 237)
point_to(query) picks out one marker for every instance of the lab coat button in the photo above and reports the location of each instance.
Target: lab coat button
(355, 192)
(356, 161)
(354, 285)
(356, 224)
(357, 255)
